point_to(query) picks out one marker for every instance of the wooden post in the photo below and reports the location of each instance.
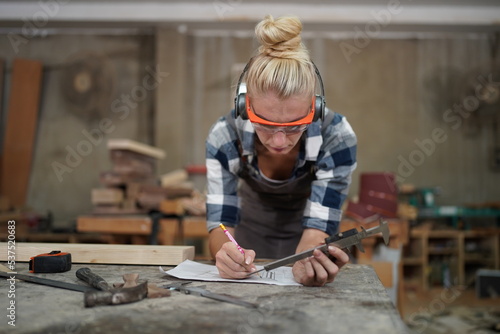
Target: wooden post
(2, 130)
(21, 129)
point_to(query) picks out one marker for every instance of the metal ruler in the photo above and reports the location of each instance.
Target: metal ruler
(343, 240)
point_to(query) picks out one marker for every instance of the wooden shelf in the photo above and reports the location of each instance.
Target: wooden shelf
(413, 261)
(443, 251)
(478, 258)
(451, 248)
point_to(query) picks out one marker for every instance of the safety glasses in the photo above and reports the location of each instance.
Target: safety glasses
(297, 125)
(288, 130)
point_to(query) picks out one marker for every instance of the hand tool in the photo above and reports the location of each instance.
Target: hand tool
(342, 240)
(116, 296)
(48, 282)
(153, 290)
(200, 291)
(108, 295)
(53, 262)
(88, 276)
(130, 280)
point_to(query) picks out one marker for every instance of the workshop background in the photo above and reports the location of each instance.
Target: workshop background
(419, 81)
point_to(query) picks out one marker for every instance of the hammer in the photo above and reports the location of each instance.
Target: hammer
(131, 280)
(108, 295)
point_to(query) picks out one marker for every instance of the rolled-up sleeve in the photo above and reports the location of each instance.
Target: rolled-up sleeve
(222, 161)
(335, 164)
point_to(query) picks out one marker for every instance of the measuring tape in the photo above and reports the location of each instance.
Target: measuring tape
(53, 262)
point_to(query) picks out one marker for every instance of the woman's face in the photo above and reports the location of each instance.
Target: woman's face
(271, 108)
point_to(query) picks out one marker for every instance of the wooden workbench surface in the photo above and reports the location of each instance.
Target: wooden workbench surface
(355, 303)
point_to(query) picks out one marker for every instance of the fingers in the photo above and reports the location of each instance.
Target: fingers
(324, 268)
(320, 269)
(341, 257)
(249, 258)
(308, 272)
(231, 263)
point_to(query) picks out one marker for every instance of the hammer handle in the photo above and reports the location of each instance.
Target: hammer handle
(88, 276)
(96, 298)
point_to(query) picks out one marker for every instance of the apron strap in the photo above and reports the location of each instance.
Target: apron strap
(232, 123)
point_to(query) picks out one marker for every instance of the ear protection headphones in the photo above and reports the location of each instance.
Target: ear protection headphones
(240, 99)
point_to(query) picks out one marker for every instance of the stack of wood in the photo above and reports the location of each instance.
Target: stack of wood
(177, 184)
(183, 198)
(131, 191)
(130, 187)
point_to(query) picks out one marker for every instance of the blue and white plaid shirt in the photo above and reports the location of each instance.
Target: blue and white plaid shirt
(333, 153)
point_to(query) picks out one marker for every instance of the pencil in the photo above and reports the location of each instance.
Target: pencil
(226, 232)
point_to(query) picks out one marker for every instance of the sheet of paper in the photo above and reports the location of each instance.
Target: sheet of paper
(204, 272)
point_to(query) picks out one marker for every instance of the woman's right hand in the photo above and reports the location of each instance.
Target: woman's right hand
(231, 263)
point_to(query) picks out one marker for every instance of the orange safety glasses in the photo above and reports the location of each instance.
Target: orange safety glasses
(256, 119)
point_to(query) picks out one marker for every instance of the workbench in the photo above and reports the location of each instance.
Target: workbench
(355, 303)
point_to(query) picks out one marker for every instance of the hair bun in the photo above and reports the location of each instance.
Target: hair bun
(280, 38)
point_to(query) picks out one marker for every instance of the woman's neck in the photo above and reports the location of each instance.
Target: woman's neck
(276, 166)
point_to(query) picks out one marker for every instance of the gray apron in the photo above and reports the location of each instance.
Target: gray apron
(271, 214)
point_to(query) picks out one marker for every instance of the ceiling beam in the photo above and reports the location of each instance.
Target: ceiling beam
(399, 12)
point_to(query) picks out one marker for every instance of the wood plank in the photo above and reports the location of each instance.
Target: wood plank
(174, 177)
(107, 196)
(141, 225)
(117, 210)
(20, 133)
(194, 227)
(133, 165)
(2, 119)
(169, 233)
(106, 254)
(2, 71)
(59, 237)
(4, 203)
(113, 179)
(131, 145)
(172, 207)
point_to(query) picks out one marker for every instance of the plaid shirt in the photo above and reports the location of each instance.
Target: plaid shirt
(332, 148)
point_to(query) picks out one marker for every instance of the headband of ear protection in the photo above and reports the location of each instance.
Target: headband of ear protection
(240, 99)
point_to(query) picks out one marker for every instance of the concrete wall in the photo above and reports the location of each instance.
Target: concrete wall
(400, 96)
(67, 163)
(397, 94)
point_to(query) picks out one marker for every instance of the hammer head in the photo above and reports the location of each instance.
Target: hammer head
(116, 296)
(384, 228)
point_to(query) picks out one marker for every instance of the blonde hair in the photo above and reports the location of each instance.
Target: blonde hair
(282, 64)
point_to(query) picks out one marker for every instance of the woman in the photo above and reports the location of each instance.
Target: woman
(279, 165)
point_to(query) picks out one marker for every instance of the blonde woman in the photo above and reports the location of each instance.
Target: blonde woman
(279, 165)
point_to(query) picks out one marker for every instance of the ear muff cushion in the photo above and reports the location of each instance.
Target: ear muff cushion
(319, 108)
(240, 106)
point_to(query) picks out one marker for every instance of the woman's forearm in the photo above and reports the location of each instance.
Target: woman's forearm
(216, 239)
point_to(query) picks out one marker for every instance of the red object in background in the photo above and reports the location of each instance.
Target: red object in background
(385, 206)
(378, 197)
(359, 211)
(379, 182)
(196, 169)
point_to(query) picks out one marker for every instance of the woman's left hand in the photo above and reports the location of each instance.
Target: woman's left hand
(319, 269)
